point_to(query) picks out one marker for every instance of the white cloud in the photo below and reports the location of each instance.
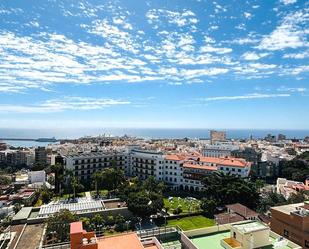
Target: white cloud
(292, 89)
(247, 15)
(300, 55)
(248, 96)
(252, 56)
(287, 2)
(218, 50)
(289, 34)
(243, 41)
(181, 19)
(262, 66)
(64, 104)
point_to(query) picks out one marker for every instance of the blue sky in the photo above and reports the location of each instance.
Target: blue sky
(169, 64)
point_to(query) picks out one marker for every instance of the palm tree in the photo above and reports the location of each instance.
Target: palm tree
(68, 175)
(58, 170)
(74, 184)
(97, 177)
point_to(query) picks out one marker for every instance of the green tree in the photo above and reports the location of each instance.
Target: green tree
(86, 223)
(209, 207)
(120, 223)
(97, 222)
(152, 185)
(226, 189)
(46, 195)
(112, 178)
(97, 178)
(144, 204)
(259, 183)
(296, 169)
(5, 180)
(297, 197)
(58, 225)
(16, 208)
(58, 170)
(271, 199)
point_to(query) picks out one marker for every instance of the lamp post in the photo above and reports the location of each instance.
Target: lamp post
(127, 223)
(164, 223)
(140, 226)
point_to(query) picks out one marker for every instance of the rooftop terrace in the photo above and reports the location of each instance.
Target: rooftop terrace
(238, 235)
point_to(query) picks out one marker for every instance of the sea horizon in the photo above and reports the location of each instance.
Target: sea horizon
(164, 133)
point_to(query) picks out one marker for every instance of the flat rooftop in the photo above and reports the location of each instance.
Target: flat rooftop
(287, 209)
(210, 240)
(23, 213)
(213, 241)
(249, 227)
(122, 241)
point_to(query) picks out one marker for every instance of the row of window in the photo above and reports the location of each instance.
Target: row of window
(93, 166)
(140, 160)
(97, 160)
(228, 169)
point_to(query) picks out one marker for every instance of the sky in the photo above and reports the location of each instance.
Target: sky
(157, 64)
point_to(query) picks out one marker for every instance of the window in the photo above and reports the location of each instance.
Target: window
(233, 169)
(239, 170)
(285, 233)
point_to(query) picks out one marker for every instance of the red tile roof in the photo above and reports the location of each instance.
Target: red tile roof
(242, 210)
(228, 161)
(197, 166)
(175, 157)
(122, 241)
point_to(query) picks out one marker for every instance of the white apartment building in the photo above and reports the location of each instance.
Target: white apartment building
(177, 171)
(85, 164)
(145, 163)
(218, 150)
(37, 176)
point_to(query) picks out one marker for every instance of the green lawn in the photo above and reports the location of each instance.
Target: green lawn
(66, 196)
(191, 222)
(186, 205)
(102, 192)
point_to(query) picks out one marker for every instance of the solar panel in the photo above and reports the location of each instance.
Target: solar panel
(82, 206)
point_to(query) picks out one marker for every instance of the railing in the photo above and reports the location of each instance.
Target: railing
(64, 245)
(156, 232)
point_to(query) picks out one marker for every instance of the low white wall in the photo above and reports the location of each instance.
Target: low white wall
(186, 242)
(207, 230)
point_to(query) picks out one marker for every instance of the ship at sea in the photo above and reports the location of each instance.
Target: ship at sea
(51, 140)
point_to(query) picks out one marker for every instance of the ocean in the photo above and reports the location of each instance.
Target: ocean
(143, 133)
